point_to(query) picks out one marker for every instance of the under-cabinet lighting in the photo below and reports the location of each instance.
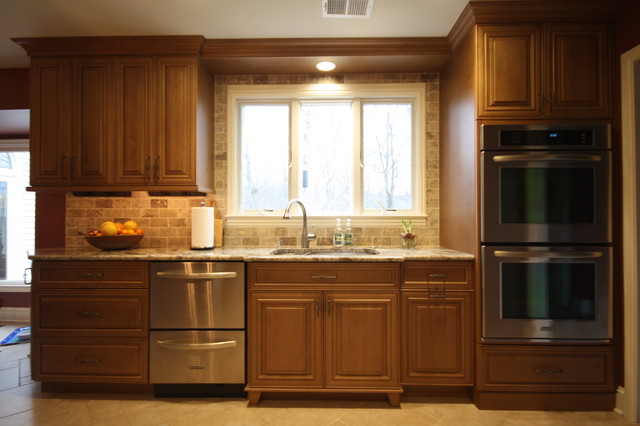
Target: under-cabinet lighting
(325, 66)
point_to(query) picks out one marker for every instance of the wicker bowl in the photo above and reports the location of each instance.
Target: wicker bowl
(115, 242)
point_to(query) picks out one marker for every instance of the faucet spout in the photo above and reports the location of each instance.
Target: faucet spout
(306, 237)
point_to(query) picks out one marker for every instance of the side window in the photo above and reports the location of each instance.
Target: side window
(17, 215)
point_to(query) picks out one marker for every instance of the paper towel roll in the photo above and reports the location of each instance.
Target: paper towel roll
(202, 227)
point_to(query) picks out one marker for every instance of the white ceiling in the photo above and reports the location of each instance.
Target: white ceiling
(214, 19)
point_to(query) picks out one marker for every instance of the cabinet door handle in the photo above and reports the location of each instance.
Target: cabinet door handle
(324, 277)
(88, 360)
(317, 302)
(541, 94)
(548, 370)
(85, 314)
(329, 306)
(90, 275)
(72, 167)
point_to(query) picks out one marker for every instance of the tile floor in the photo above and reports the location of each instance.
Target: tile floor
(22, 403)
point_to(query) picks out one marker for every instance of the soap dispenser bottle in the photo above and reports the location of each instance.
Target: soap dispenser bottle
(337, 235)
(348, 234)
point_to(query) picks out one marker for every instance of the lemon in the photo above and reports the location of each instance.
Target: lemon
(130, 224)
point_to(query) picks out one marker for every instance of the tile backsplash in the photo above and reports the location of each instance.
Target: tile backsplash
(167, 220)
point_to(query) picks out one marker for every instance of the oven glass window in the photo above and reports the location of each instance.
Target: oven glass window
(547, 195)
(548, 291)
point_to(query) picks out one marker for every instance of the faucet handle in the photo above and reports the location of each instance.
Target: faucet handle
(313, 236)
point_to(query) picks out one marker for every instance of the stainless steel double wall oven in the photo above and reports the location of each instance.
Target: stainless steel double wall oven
(546, 232)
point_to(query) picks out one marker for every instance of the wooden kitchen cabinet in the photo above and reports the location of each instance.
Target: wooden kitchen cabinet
(322, 334)
(437, 332)
(120, 122)
(531, 71)
(90, 321)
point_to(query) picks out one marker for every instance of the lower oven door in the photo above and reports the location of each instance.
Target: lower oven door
(180, 356)
(543, 293)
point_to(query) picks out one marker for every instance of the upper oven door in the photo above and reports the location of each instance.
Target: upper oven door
(546, 197)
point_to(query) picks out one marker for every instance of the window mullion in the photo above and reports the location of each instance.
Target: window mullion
(294, 150)
(358, 187)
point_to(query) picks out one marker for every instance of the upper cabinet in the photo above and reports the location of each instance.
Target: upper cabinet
(113, 118)
(544, 71)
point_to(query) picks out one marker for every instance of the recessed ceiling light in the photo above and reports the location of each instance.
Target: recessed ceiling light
(325, 66)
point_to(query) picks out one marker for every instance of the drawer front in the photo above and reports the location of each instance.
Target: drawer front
(446, 275)
(98, 311)
(90, 360)
(90, 274)
(559, 369)
(326, 275)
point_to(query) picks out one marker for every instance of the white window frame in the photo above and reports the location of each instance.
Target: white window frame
(412, 92)
(15, 286)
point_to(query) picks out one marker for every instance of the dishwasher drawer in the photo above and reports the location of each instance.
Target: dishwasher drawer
(180, 356)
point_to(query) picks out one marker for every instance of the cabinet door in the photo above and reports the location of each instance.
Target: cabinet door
(361, 340)
(175, 159)
(50, 121)
(578, 75)
(285, 339)
(509, 71)
(437, 338)
(133, 120)
(91, 130)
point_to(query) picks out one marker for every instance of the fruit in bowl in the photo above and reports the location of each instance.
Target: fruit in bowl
(115, 235)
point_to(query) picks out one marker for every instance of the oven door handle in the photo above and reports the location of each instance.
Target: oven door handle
(175, 344)
(548, 254)
(519, 158)
(196, 275)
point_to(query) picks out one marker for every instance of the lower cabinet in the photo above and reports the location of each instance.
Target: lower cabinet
(323, 339)
(437, 338)
(90, 322)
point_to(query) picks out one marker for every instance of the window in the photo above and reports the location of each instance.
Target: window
(347, 150)
(17, 212)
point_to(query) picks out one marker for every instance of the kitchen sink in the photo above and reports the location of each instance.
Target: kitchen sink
(329, 251)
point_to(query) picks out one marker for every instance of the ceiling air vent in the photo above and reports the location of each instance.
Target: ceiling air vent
(346, 8)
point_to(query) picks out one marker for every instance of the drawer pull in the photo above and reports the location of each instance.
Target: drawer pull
(85, 314)
(548, 370)
(176, 344)
(438, 296)
(443, 276)
(90, 275)
(88, 360)
(324, 277)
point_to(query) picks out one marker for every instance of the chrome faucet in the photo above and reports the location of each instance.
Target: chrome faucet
(305, 236)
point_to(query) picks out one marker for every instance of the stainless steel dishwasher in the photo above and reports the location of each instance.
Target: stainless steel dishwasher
(197, 321)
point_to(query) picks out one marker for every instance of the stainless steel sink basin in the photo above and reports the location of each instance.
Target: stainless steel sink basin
(329, 251)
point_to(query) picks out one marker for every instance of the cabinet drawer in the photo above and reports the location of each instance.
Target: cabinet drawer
(326, 275)
(90, 360)
(551, 368)
(98, 311)
(449, 275)
(90, 274)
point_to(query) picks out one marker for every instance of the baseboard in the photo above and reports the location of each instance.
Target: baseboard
(620, 395)
(16, 315)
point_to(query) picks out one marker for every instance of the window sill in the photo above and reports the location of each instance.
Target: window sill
(14, 287)
(324, 221)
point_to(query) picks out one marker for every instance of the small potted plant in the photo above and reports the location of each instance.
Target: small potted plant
(409, 239)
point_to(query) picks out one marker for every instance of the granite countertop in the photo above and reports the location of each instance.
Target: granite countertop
(245, 254)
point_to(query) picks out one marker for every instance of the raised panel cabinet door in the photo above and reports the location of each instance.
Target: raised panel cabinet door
(92, 121)
(175, 159)
(361, 340)
(437, 338)
(579, 72)
(285, 339)
(133, 79)
(50, 125)
(509, 71)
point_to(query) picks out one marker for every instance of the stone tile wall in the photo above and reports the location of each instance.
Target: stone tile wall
(167, 220)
